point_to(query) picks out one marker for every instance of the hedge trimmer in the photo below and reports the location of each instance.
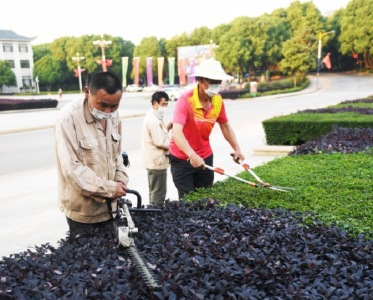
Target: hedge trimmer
(261, 182)
(125, 228)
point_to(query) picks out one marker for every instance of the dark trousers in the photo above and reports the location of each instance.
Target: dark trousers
(77, 226)
(157, 181)
(187, 178)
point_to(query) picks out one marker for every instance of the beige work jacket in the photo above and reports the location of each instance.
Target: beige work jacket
(155, 142)
(89, 162)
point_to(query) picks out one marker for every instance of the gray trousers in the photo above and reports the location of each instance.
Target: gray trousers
(157, 180)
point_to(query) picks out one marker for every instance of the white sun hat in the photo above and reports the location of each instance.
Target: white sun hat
(211, 69)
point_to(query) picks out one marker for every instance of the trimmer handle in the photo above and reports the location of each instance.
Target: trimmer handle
(237, 160)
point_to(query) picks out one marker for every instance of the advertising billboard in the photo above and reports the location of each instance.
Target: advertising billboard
(189, 59)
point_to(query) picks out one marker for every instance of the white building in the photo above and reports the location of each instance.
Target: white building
(17, 51)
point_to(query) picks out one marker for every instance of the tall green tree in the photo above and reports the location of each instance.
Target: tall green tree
(200, 36)
(49, 71)
(263, 37)
(7, 76)
(357, 30)
(218, 31)
(41, 50)
(234, 53)
(241, 35)
(307, 15)
(273, 32)
(298, 55)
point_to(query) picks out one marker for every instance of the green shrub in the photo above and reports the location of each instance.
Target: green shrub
(262, 85)
(296, 129)
(336, 188)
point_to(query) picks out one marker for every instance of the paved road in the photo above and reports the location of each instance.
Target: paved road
(29, 213)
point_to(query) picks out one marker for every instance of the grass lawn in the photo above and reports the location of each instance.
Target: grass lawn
(336, 189)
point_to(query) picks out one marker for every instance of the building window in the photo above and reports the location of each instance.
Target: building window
(10, 63)
(7, 48)
(26, 81)
(25, 64)
(23, 48)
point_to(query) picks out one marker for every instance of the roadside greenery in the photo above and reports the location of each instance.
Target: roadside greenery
(286, 39)
(280, 83)
(335, 188)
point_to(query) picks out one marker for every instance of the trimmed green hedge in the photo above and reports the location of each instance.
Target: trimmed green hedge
(336, 188)
(296, 129)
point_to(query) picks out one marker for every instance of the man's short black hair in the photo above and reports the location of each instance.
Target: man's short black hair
(107, 81)
(157, 96)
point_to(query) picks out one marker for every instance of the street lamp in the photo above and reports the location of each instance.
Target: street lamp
(102, 44)
(78, 59)
(319, 56)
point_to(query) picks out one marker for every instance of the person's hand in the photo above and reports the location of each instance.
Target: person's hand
(197, 162)
(238, 156)
(121, 190)
(169, 126)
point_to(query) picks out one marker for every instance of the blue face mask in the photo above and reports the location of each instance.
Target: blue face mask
(100, 115)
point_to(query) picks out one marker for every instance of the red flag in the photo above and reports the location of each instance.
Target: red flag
(354, 55)
(109, 62)
(327, 62)
(77, 72)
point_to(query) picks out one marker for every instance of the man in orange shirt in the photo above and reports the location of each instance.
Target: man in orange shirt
(195, 115)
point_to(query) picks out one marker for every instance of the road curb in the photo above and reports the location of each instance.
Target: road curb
(19, 130)
(273, 150)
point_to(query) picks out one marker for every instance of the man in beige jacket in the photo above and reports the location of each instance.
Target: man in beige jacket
(155, 143)
(89, 157)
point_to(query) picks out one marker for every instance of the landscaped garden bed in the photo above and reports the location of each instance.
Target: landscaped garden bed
(231, 240)
(308, 125)
(17, 104)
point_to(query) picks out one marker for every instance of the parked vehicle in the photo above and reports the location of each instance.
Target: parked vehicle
(190, 86)
(168, 86)
(133, 88)
(173, 92)
(152, 88)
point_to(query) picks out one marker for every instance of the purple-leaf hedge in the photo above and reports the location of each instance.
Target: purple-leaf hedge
(16, 104)
(343, 140)
(200, 251)
(357, 110)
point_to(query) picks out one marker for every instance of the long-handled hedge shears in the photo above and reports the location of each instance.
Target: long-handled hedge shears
(261, 182)
(222, 172)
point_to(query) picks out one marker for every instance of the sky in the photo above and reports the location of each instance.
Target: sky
(133, 20)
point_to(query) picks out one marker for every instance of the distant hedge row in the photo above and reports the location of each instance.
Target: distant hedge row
(304, 126)
(261, 88)
(17, 104)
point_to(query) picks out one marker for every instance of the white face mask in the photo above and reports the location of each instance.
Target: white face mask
(100, 115)
(212, 90)
(162, 110)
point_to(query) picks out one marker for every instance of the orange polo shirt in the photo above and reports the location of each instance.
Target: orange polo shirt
(197, 122)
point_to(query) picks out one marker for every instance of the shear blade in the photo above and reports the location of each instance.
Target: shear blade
(286, 188)
(275, 189)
